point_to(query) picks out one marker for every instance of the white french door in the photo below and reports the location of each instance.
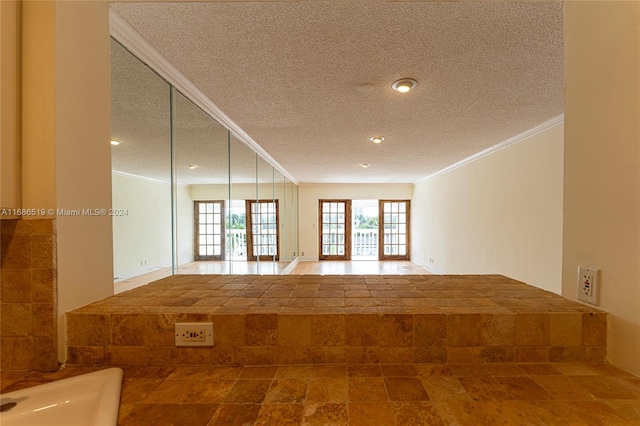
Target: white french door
(334, 229)
(209, 230)
(394, 233)
(262, 223)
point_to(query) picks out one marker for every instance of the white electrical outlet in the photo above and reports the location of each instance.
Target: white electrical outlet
(194, 333)
(588, 285)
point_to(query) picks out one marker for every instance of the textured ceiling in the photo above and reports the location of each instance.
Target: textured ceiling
(289, 74)
(140, 118)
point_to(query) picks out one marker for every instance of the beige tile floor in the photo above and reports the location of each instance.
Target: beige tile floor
(371, 394)
(358, 267)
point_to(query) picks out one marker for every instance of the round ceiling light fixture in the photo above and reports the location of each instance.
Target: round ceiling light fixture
(377, 139)
(364, 165)
(192, 167)
(115, 142)
(404, 85)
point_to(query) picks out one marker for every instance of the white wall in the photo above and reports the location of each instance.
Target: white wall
(184, 225)
(309, 194)
(142, 238)
(602, 166)
(500, 214)
(82, 154)
(39, 62)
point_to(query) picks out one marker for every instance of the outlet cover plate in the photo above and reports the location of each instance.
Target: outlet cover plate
(194, 333)
(588, 283)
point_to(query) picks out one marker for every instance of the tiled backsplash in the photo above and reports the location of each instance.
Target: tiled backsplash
(28, 295)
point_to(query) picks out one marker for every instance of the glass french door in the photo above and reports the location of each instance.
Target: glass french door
(209, 230)
(262, 222)
(335, 229)
(394, 230)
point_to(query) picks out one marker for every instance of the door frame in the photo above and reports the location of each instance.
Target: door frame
(249, 226)
(196, 231)
(347, 230)
(381, 255)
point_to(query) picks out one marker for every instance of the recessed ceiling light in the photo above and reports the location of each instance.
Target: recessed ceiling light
(115, 142)
(192, 167)
(364, 165)
(365, 87)
(377, 139)
(404, 85)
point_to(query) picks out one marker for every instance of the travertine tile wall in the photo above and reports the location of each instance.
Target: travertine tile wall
(28, 295)
(267, 320)
(268, 339)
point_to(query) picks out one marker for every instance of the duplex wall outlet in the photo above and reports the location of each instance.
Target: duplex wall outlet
(588, 283)
(194, 333)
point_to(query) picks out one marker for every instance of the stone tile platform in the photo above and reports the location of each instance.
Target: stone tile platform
(346, 319)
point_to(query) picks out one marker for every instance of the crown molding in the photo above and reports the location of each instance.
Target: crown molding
(126, 35)
(555, 121)
(134, 176)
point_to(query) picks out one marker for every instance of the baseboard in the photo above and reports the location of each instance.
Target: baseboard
(289, 268)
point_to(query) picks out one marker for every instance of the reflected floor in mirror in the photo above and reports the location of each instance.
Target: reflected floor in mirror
(202, 267)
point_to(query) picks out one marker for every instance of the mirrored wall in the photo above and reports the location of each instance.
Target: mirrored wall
(193, 198)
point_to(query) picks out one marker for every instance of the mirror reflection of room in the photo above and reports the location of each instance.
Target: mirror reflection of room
(188, 184)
